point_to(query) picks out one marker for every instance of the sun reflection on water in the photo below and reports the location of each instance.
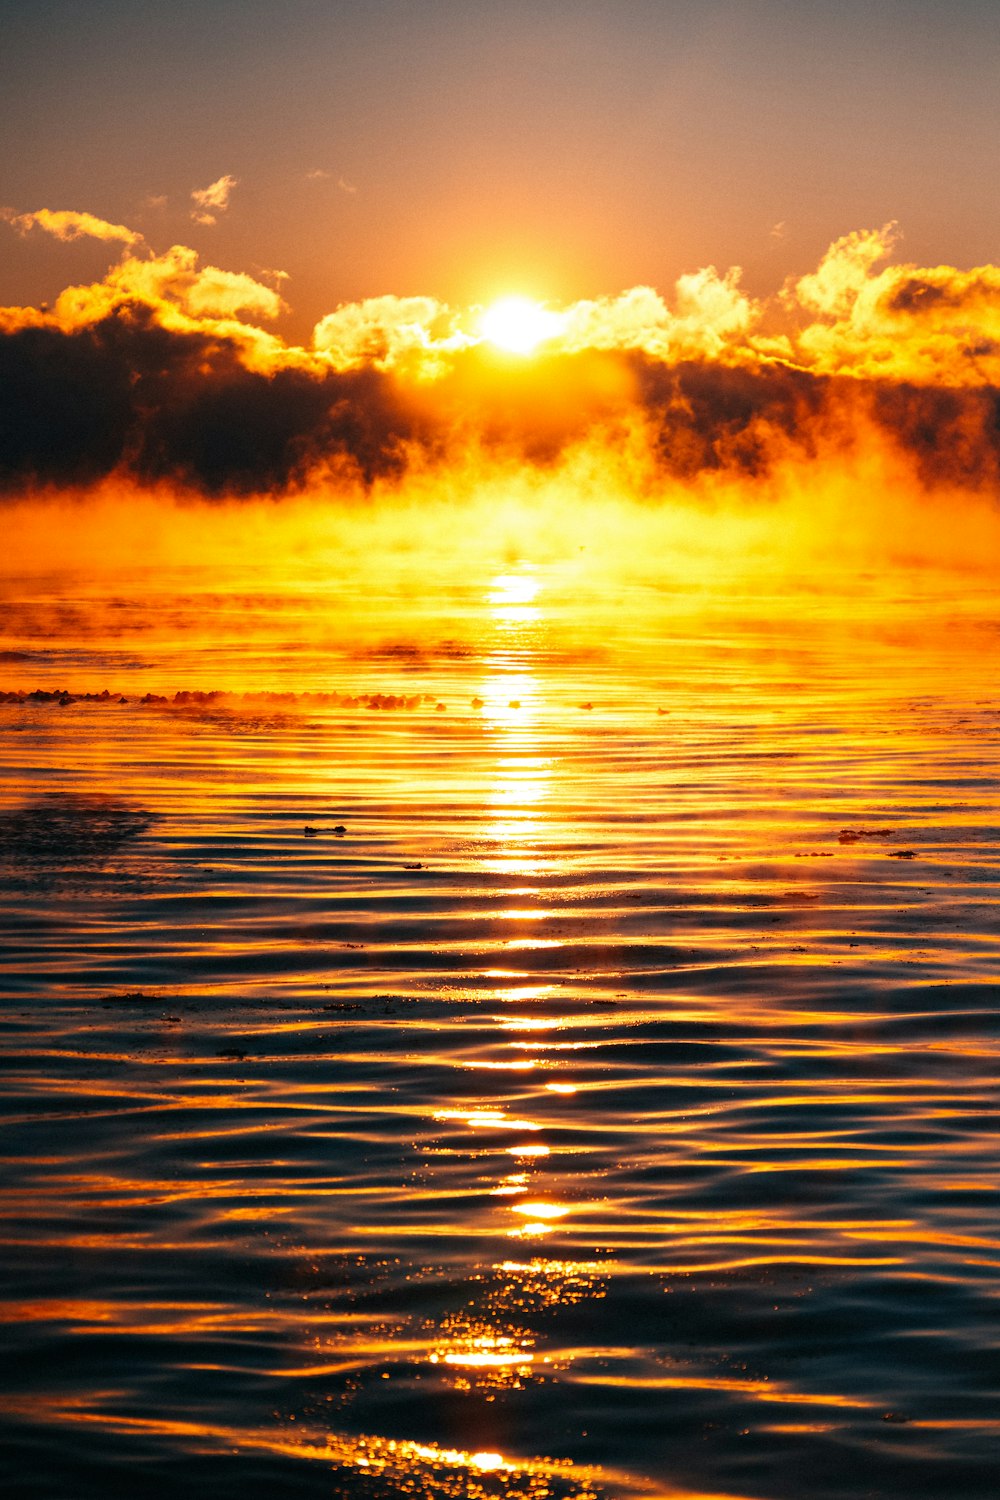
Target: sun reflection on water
(512, 708)
(516, 1190)
(512, 596)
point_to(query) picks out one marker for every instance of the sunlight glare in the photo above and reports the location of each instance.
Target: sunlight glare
(518, 325)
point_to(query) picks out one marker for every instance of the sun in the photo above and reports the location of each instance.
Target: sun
(518, 325)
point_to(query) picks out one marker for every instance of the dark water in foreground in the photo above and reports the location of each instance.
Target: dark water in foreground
(609, 1110)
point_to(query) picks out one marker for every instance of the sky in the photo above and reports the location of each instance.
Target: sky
(560, 148)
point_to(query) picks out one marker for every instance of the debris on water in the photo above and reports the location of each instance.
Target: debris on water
(339, 829)
(854, 835)
(514, 703)
(309, 832)
(417, 866)
(341, 1005)
(195, 702)
(352, 945)
(894, 1416)
(586, 705)
(130, 997)
(235, 1053)
(62, 697)
(903, 854)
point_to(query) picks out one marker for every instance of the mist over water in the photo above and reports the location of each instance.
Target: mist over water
(509, 1019)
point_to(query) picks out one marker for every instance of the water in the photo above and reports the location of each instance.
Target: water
(608, 1110)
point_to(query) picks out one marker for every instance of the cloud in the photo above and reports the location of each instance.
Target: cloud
(389, 331)
(904, 322)
(67, 224)
(163, 373)
(844, 272)
(320, 174)
(126, 395)
(213, 200)
(217, 294)
(183, 294)
(706, 417)
(710, 315)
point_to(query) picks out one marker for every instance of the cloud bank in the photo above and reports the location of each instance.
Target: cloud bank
(164, 374)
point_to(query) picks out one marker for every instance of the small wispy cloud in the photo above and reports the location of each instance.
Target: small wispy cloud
(320, 174)
(778, 230)
(211, 201)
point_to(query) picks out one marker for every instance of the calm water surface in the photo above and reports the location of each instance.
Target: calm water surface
(549, 1051)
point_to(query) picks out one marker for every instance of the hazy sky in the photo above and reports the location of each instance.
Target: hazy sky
(564, 148)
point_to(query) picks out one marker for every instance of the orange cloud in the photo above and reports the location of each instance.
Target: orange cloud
(172, 281)
(933, 325)
(181, 297)
(213, 200)
(66, 224)
(711, 317)
(843, 274)
(418, 332)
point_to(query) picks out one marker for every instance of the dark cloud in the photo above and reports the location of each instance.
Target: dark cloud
(915, 295)
(953, 436)
(714, 417)
(125, 394)
(65, 407)
(710, 417)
